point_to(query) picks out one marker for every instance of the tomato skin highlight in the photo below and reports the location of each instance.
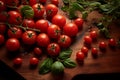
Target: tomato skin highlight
(84, 50)
(93, 34)
(80, 57)
(55, 2)
(29, 23)
(79, 22)
(102, 45)
(17, 61)
(88, 40)
(34, 61)
(112, 42)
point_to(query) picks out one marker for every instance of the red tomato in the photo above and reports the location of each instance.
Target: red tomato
(55, 2)
(18, 61)
(12, 44)
(34, 61)
(2, 6)
(42, 1)
(80, 56)
(79, 22)
(37, 51)
(32, 2)
(51, 10)
(3, 16)
(29, 37)
(2, 28)
(14, 17)
(84, 50)
(29, 23)
(42, 40)
(112, 42)
(2, 39)
(70, 29)
(38, 10)
(12, 3)
(53, 49)
(87, 39)
(54, 31)
(102, 45)
(64, 41)
(15, 32)
(93, 34)
(42, 25)
(59, 20)
(94, 51)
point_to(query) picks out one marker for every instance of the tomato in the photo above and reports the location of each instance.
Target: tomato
(54, 31)
(102, 45)
(70, 29)
(112, 42)
(59, 20)
(2, 6)
(29, 37)
(3, 16)
(53, 49)
(55, 2)
(94, 52)
(64, 41)
(34, 61)
(15, 32)
(42, 40)
(87, 39)
(12, 3)
(51, 10)
(37, 51)
(80, 56)
(38, 10)
(79, 22)
(2, 28)
(18, 61)
(42, 25)
(42, 1)
(12, 44)
(84, 50)
(2, 39)
(29, 23)
(32, 2)
(14, 17)
(93, 34)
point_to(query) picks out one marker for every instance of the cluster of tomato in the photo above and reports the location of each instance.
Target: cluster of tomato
(46, 29)
(102, 45)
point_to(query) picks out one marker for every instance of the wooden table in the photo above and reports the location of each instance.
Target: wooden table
(107, 62)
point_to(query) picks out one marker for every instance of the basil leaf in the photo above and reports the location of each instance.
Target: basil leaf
(69, 63)
(57, 68)
(65, 54)
(66, 1)
(45, 66)
(84, 15)
(27, 11)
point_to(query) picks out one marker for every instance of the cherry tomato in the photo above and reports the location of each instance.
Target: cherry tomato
(59, 20)
(64, 41)
(54, 31)
(112, 42)
(51, 10)
(37, 51)
(93, 34)
(102, 45)
(12, 44)
(12, 3)
(87, 39)
(29, 37)
(14, 17)
(2, 39)
(53, 49)
(3, 16)
(42, 25)
(55, 2)
(42, 40)
(29, 23)
(84, 50)
(38, 10)
(2, 6)
(32, 2)
(80, 56)
(2, 28)
(70, 29)
(94, 52)
(34, 61)
(18, 61)
(79, 22)
(14, 32)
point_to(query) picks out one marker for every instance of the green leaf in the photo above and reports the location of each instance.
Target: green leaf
(65, 8)
(69, 63)
(84, 15)
(45, 66)
(105, 32)
(65, 54)
(57, 68)
(77, 6)
(27, 11)
(66, 1)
